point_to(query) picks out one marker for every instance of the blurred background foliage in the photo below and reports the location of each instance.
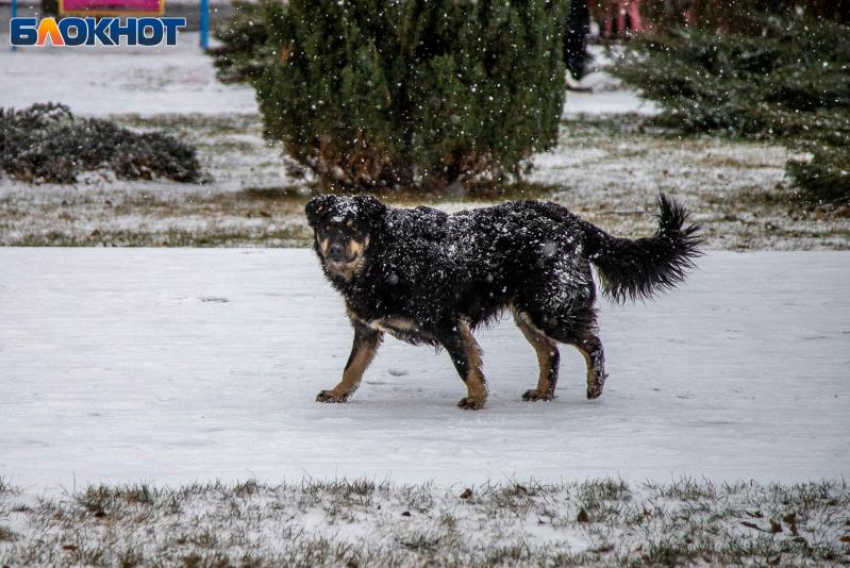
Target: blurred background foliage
(783, 75)
(431, 94)
(368, 94)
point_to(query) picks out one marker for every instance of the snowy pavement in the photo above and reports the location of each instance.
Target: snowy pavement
(175, 365)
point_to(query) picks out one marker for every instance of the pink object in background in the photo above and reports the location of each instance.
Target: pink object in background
(621, 17)
(112, 7)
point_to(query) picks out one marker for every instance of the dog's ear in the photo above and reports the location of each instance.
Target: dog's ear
(317, 207)
(372, 208)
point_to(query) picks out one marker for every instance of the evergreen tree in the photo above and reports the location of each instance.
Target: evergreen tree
(370, 93)
(789, 81)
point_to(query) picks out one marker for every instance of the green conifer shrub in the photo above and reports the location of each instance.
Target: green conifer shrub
(826, 177)
(243, 52)
(789, 81)
(369, 93)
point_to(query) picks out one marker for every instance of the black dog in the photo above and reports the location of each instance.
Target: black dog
(427, 277)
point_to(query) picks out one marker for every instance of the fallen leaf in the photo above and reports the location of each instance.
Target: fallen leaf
(775, 527)
(406, 514)
(69, 547)
(845, 538)
(752, 525)
(467, 494)
(583, 517)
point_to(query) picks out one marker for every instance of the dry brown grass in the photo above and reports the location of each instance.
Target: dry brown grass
(610, 170)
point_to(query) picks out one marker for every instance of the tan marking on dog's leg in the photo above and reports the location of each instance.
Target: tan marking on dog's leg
(547, 357)
(362, 354)
(476, 384)
(353, 374)
(594, 358)
(394, 324)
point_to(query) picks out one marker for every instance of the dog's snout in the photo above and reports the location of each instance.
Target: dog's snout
(336, 252)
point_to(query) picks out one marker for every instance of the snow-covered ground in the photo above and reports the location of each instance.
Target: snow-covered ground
(605, 95)
(606, 522)
(175, 365)
(602, 167)
(102, 81)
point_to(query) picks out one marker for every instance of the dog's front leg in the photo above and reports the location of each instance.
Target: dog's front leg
(466, 356)
(366, 342)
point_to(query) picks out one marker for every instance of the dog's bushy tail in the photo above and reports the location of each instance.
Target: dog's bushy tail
(640, 268)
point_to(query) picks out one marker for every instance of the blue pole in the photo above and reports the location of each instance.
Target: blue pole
(205, 24)
(14, 15)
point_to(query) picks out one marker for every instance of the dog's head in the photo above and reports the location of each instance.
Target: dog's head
(343, 229)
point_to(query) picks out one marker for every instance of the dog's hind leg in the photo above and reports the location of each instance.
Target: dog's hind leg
(566, 314)
(547, 356)
(366, 342)
(590, 346)
(466, 356)
(594, 356)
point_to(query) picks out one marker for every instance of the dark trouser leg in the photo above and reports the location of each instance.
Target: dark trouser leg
(575, 38)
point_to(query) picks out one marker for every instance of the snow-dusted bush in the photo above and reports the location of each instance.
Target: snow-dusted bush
(789, 78)
(47, 143)
(736, 15)
(243, 52)
(826, 177)
(368, 93)
(787, 81)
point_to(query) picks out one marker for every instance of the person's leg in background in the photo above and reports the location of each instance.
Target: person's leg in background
(575, 38)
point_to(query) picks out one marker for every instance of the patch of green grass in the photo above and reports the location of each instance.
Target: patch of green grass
(224, 124)
(168, 238)
(291, 193)
(686, 489)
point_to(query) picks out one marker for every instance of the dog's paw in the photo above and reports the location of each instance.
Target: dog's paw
(594, 391)
(470, 403)
(330, 396)
(532, 395)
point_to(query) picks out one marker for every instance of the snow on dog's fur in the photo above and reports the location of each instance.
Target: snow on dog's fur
(424, 276)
